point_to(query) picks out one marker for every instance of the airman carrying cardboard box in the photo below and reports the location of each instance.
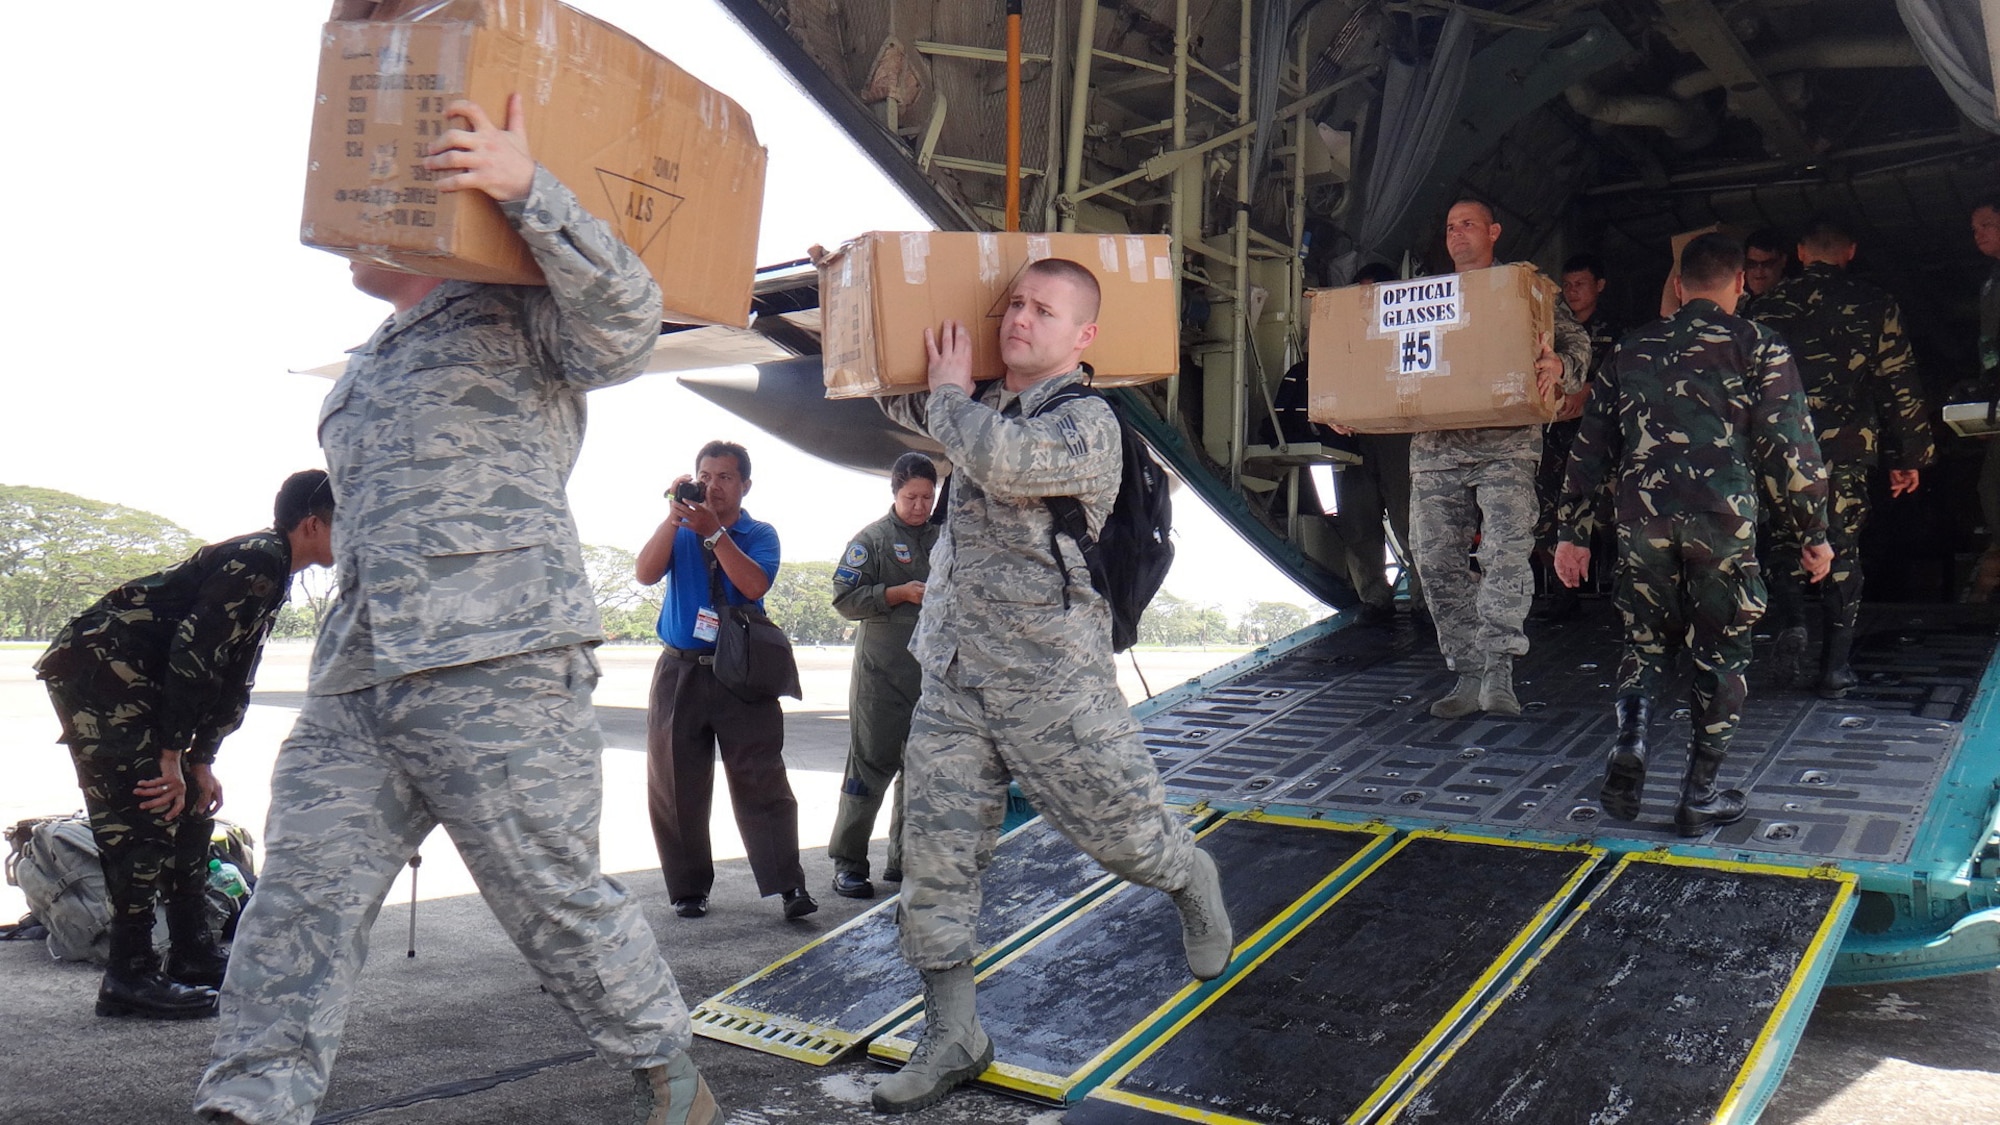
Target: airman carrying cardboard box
(1452, 352)
(671, 164)
(880, 291)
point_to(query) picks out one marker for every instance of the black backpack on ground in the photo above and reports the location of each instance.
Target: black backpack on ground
(1131, 553)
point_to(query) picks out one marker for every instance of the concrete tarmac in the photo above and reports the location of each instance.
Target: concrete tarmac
(460, 1032)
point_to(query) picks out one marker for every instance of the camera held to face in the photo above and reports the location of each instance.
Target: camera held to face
(689, 492)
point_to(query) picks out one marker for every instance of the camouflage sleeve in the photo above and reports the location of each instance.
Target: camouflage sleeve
(912, 412)
(1783, 444)
(1591, 456)
(600, 315)
(214, 653)
(858, 590)
(1572, 346)
(1051, 454)
(1900, 396)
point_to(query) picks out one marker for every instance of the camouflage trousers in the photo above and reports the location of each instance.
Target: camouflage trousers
(505, 754)
(146, 857)
(1840, 590)
(1476, 614)
(1078, 757)
(1692, 581)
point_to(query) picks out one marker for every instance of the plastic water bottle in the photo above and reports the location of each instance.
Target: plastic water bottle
(225, 877)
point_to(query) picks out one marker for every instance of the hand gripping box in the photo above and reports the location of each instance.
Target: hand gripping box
(1452, 352)
(671, 164)
(880, 291)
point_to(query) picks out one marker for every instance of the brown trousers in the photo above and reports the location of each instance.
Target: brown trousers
(689, 716)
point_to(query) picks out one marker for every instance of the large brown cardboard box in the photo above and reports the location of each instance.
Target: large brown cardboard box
(671, 164)
(880, 291)
(1451, 352)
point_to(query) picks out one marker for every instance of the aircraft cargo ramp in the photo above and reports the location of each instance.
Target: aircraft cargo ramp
(1435, 921)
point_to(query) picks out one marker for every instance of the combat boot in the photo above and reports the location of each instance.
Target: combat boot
(1463, 700)
(954, 1048)
(1625, 767)
(1496, 690)
(134, 986)
(193, 958)
(1205, 931)
(673, 1093)
(1703, 806)
(1836, 676)
(1788, 657)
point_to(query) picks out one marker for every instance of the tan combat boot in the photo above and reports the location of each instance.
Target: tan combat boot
(1463, 700)
(674, 1093)
(1205, 930)
(1496, 691)
(953, 1050)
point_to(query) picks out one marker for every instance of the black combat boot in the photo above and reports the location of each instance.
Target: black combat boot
(194, 958)
(134, 986)
(1786, 615)
(1836, 676)
(1703, 806)
(1625, 766)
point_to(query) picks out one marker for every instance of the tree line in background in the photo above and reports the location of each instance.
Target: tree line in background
(59, 553)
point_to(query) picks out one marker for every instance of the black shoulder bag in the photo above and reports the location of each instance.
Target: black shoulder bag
(753, 657)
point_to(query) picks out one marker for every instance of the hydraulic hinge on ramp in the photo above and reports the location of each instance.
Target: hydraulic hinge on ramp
(1674, 993)
(1069, 1005)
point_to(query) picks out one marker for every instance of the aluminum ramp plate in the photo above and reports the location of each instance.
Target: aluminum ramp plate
(1063, 1008)
(815, 1004)
(1330, 1023)
(1673, 995)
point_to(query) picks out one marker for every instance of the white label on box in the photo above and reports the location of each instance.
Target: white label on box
(916, 252)
(1417, 352)
(1428, 302)
(1107, 253)
(989, 258)
(1135, 257)
(1038, 247)
(1163, 269)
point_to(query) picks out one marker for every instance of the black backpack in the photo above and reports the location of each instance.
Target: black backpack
(1132, 552)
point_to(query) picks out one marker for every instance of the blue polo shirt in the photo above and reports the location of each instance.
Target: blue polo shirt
(687, 578)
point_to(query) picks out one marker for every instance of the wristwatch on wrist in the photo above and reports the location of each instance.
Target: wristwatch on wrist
(715, 538)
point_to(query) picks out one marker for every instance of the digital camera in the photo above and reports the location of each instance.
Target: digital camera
(689, 492)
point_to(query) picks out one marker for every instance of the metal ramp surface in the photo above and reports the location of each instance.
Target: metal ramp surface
(1671, 995)
(1064, 1007)
(835, 993)
(1328, 1024)
(1339, 727)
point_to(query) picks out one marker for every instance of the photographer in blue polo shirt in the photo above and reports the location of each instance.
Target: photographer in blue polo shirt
(690, 714)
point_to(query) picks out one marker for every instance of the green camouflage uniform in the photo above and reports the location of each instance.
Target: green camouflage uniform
(883, 690)
(1018, 683)
(1558, 437)
(163, 662)
(452, 681)
(1467, 483)
(1860, 378)
(1693, 414)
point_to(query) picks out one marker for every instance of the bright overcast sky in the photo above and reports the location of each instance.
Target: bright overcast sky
(160, 293)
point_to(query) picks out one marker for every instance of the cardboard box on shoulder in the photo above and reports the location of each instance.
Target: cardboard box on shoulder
(671, 164)
(880, 291)
(1451, 352)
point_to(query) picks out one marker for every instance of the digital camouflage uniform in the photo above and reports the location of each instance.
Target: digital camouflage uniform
(451, 683)
(1481, 482)
(1860, 379)
(883, 690)
(1698, 416)
(161, 663)
(1018, 684)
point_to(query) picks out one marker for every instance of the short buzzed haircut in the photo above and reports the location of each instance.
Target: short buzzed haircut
(1585, 263)
(1076, 274)
(1770, 241)
(308, 493)
(1374, 273)
(1468, 201)
(725, 449)
(1826, 235)
(1987, 203)
(1711, 260)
